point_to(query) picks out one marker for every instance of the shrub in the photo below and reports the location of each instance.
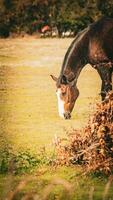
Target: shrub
(20, 162)
(93, 146)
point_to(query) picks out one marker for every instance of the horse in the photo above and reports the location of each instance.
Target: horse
(94, 46)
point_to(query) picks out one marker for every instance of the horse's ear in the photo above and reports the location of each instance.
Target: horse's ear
(54, 78)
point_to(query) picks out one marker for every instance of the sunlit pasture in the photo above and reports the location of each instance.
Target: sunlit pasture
(28, 104)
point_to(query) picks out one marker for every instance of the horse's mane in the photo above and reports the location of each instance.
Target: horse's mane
(80, 33)
(75, 42)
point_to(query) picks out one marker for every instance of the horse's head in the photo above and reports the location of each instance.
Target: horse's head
(67, 94)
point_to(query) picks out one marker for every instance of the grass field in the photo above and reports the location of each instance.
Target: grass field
(28, 105)
(28, 109)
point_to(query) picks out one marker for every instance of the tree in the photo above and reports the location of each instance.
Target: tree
(31, 15)
(106, 7)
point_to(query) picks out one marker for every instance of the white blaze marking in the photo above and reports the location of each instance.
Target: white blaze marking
(60, 104)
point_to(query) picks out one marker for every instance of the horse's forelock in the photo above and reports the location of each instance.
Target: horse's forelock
(61, 80)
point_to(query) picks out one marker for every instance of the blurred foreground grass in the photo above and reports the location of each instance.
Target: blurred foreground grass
(63, 183)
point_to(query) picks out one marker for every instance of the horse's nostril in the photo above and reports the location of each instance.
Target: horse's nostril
(67, 115)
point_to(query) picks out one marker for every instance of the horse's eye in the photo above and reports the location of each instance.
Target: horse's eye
(63, 93)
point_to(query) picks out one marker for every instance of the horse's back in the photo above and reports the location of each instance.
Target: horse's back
(101, 39)
(101, 26)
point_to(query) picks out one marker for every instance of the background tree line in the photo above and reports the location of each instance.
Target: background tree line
(29, 16)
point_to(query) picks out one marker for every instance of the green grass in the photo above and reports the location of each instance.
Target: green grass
(28, 113)
(61, 183)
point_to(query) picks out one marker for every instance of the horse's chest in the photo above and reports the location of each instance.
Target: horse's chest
(96, 52)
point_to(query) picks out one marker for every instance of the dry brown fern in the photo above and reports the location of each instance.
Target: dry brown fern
(93, 146)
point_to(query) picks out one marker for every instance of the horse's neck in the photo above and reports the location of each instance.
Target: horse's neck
(74, 64)
(76, 56)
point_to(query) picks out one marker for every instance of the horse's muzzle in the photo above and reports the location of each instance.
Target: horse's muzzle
(67, 115)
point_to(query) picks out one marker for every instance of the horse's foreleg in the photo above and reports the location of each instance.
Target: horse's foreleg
(105, 88)
(106, 77)
(103, 93)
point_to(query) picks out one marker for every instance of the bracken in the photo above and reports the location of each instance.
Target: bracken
(91, 147)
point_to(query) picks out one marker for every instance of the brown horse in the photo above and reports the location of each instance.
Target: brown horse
(93, 45)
